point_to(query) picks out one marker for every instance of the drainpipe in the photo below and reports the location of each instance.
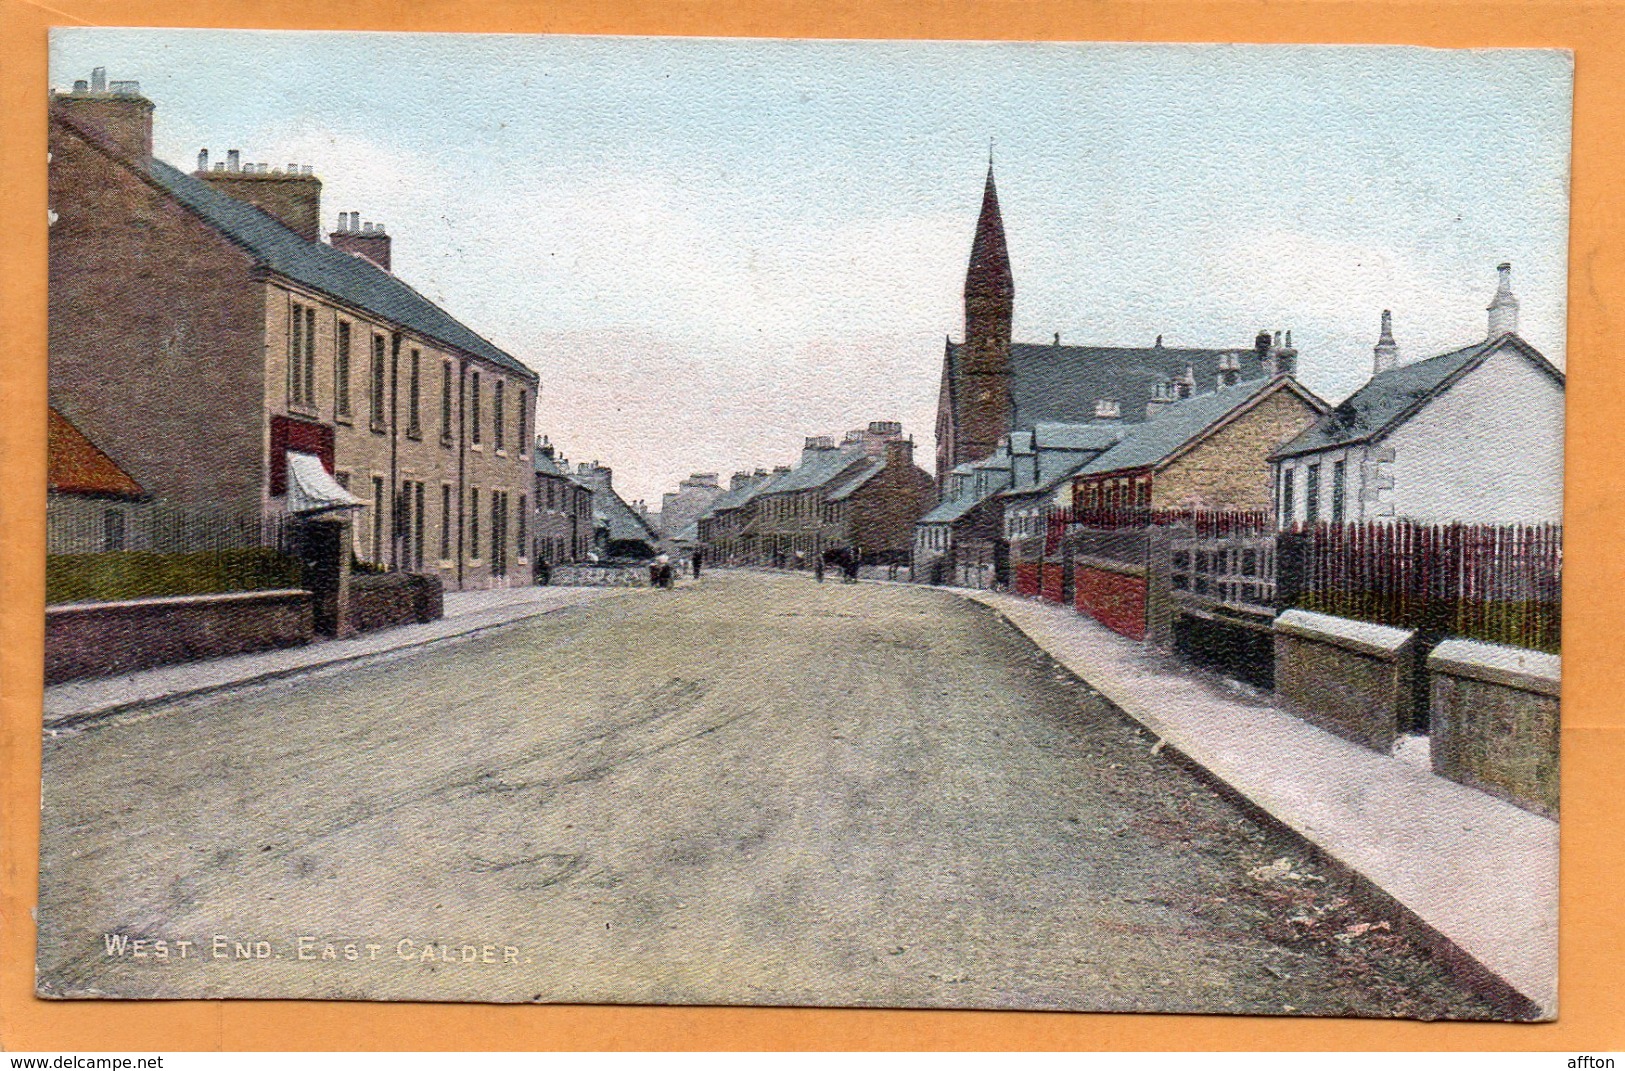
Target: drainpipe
(394, 452)
(462, 457)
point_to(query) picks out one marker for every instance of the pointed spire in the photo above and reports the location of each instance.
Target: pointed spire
(1385, 353)
(989, 272)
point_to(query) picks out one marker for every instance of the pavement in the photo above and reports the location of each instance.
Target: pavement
(750, 790)
(1478, 871)
(466, 612)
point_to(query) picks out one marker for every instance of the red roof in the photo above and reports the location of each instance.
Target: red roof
(78, 467)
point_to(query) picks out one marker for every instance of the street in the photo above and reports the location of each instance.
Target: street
(754, 789)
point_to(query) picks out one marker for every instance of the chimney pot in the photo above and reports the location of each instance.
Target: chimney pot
(203, 159)
(98, 80)
(1503, 309)
(81, 86)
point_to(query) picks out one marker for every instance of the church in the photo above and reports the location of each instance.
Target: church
(992, 385)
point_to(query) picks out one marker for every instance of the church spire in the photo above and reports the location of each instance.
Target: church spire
(988, 281)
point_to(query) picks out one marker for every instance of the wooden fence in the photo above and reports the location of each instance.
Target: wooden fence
(1498, 584)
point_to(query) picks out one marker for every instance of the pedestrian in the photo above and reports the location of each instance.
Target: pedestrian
(699, 556)
(818, 568)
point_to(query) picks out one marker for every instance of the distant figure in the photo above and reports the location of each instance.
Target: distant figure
(699, 556)
(818, 568)
(851, 570)
(544, 572)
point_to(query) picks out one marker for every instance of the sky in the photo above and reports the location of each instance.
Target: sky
(710, 249)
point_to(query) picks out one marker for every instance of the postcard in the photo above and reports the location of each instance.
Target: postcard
(825, 523)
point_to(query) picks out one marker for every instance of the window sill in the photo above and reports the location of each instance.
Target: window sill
(303, 410)
(344, 419)
(478, 448)
(379, 429)
(416, 435)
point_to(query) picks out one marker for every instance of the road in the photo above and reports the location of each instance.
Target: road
(756, 789)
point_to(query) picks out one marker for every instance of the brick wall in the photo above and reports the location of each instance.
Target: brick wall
(1027, 582)
(1052, 581)
(1113, 596)
(102, 639)
(883, 511)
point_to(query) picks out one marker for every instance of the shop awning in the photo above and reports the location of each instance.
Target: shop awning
(311, 490)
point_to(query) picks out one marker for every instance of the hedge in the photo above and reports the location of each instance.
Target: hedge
(119, 575)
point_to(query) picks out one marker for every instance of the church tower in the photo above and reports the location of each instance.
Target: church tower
(977, 391)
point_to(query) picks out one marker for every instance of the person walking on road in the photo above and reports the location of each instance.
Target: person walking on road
(818, 568)
(699, 556)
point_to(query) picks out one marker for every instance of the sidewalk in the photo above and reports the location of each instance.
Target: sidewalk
(466, 612)
(1479, 872)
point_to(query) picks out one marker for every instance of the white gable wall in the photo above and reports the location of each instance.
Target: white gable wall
(1489, 450)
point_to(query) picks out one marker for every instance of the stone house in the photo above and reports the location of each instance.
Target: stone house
(860, 497)
(1042, 463)
(722, 531)
(681, 508)
(562, 516)
(1474, 435)
(619, 529)
(201, 330)
(91, 504)
(1207, 451)
(960, 540)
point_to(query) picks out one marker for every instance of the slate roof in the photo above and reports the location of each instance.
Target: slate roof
(953, 509)
(817, 470)
(318, 265)
(1091, 436)
(1053, 467)
(1156, 440)
(1389, 398)
(545, 464)
(735, 497)
(1061, 384)
(622, 520)
(77, 466)
(850, 482)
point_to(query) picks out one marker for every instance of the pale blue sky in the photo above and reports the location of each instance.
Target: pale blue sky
(710, 248)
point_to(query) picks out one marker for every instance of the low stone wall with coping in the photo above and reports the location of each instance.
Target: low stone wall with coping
(1495, 721)
(1111, 592)
(1353, 678)
(100, 639)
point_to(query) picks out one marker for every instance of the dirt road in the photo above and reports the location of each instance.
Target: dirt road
(753, 790)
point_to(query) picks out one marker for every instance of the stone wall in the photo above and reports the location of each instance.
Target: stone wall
(105, 638)
(1352, 678)
(601, 576)
(1495, 722)
(391, 599)
(1112, 593)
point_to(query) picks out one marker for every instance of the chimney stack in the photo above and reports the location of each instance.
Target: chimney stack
(1108, 410)
(293, 198)
(899, 452)
(1385, 353)
(1503, 309)
(1229, 371)
(120, 116)
(366, 240)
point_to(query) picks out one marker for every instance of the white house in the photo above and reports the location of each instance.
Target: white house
(1474, 435)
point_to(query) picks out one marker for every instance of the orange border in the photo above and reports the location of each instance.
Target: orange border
(1593, 902)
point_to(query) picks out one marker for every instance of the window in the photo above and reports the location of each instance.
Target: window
(498, 421)
(1311, 494)
(474, 523)
(445, 403)
(499, 533)
(445, 522)
(376, 405)
(1287, 496)
(377, 518)
(474, 408)
(524, 421)
(113, 529)
(341, 371)
(414, 397)
(301, 354)
(1339, 489)
(521, 528)
(417, 529)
